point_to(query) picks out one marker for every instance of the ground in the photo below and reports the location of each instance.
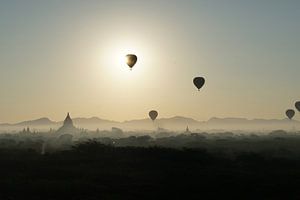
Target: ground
(92, 170)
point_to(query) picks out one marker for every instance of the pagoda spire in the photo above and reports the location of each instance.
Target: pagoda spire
(68, 126)
(68, 121)
(187, 130)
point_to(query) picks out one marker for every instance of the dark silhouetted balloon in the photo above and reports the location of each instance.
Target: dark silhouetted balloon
(199, 82)
(131, 60)
(153, 114)
(297, 105)
(290, 113)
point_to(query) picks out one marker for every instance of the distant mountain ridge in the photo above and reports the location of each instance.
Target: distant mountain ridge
(245, 120)
(171, 123)
(41, 121)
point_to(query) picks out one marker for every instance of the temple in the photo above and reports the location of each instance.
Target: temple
(68, 126)
(68, 121)
(187, 130)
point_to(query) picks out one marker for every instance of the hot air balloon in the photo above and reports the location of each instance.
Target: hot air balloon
(199, 82)
(131, 60)
(153, 114)
(297, 105)
(290, 113)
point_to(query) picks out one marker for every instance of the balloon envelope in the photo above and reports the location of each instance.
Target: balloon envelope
(290, 113)
(199, 82)
(131, 59)
(297, 105)
(153, 114)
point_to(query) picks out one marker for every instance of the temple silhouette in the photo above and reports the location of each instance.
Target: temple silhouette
(68, 126)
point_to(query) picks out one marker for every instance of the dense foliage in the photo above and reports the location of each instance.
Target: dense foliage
(266, 167)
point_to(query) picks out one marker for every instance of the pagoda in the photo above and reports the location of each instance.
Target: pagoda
(68, 126)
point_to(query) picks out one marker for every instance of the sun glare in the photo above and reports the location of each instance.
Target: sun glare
(114, 60)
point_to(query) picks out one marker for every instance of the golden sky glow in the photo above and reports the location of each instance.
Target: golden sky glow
(71, 59)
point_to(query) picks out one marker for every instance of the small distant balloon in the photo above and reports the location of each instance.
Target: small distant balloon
(153, 114)
(297, 105)
(199, 82)
(131, 59)
(290, 113)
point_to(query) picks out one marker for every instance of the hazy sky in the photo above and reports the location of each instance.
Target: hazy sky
(67, 56)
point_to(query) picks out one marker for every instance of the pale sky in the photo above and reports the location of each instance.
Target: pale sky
(64, 56)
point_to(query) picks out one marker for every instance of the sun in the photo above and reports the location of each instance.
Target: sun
(114, 57)
(111, 68)
(121, 56)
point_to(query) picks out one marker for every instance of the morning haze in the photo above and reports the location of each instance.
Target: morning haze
(58, 56)
(173, 99)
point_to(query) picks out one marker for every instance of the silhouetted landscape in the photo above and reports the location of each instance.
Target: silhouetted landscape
(136, 165)
(177, 124)
(184, 166)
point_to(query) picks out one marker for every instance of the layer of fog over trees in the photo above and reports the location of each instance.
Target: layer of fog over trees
(186, 165)
(278, 143)
(232, 134)
(173, 124)
(146, 164)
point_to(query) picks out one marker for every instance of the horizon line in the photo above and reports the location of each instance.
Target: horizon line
(136, 119)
